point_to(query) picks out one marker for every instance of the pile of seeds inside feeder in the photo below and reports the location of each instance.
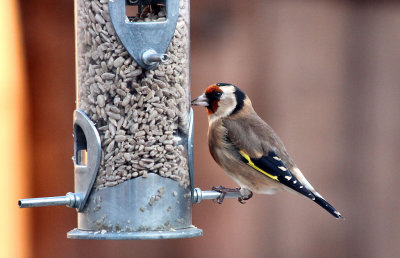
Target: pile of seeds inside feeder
(140, 114)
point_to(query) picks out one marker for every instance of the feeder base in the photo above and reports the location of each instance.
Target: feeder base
(144, 235)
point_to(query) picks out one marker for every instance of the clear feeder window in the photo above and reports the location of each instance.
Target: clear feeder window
(145, 10)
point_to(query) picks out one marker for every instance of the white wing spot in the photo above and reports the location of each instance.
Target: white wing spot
(295, 181)
(301, 186)
(277, 158)
(288, 177)
(282, 168)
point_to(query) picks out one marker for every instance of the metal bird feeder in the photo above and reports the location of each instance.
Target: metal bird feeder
(133, 126)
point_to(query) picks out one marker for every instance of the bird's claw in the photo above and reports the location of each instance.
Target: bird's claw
(223, 191)
(242, 199)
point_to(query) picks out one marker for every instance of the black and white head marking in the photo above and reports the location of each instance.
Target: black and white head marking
(230, 101)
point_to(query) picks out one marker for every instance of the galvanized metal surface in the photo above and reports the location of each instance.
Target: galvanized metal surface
(200, 195)
(87, 138)
(148, 235)
(151, 57)
(139, 37)
(191, 151)
(70, 199)
(142, 204)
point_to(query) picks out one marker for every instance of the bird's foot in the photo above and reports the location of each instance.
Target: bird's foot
(246, 195)
(223, 191)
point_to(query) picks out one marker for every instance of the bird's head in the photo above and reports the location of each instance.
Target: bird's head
(222, 99)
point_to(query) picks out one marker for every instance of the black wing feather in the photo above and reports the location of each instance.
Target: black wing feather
(274, 166)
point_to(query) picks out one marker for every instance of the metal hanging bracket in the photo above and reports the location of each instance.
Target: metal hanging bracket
(146, 42)
(86, 139)
(86, 165)
(190, 151)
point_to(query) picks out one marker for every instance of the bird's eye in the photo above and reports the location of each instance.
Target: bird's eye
(215, 95)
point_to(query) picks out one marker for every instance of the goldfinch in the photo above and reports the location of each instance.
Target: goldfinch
(248, 150)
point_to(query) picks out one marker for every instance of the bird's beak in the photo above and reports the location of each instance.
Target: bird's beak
(200, 101)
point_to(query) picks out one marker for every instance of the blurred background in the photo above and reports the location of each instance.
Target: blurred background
(324, 74)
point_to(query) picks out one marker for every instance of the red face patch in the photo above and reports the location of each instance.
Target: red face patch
(212, 89)
(213, 93)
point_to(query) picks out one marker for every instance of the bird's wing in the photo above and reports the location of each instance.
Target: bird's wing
(272, 166)
(249, 139)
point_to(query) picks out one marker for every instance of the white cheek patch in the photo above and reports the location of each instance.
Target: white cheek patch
(225, 107)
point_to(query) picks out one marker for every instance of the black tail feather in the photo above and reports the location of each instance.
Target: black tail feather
(324, 204)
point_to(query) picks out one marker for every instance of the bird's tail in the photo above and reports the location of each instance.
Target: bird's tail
(324, 204)
(314, 195)
(306, 189)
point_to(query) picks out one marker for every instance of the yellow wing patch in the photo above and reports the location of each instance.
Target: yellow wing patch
(251, 164)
